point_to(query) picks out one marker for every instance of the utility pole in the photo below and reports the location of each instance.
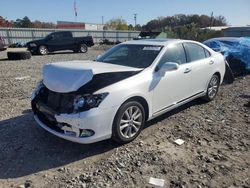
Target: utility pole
(212, 20)
(102, 27)
(135, 17)
(75, 10)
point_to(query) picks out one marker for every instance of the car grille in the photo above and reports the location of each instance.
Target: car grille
(59, 102)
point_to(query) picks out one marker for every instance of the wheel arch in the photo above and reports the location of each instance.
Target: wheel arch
(142, 101)
(218, 74)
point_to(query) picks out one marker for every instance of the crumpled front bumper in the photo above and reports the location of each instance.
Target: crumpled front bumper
(99, 120)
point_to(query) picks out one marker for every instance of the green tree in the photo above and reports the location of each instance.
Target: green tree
(130, 27)
(178, 20)
(138, 27)
(117, 24)
(193, 32)
(25, 23)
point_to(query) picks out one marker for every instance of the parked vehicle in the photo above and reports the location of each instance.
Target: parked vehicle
(108, 42)
(133, 82)
(17, 45)
(57, 41)
(236, 51)
(2, 44)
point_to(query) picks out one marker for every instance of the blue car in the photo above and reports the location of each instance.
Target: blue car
(236, 51)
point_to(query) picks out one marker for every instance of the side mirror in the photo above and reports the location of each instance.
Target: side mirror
(169, 66)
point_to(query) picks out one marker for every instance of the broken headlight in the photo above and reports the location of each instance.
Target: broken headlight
(37, 89)
(85, 102)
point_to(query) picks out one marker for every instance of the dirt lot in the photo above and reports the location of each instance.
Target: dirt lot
(216, 152)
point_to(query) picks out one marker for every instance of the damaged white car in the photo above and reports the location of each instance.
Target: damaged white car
(133, 82)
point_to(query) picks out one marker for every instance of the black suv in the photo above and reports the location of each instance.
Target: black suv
(57, 41)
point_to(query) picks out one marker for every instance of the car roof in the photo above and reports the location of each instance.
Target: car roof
(161, 42)
(230, 39)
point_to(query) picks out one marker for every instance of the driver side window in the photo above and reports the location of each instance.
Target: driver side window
(175, 54)
(121, 53)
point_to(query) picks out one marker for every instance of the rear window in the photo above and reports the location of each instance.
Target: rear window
(57, 36)
(207, 53)
(195, 51)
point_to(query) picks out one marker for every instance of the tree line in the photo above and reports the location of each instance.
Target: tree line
(201, 21)
(193, 27)
(25, 22)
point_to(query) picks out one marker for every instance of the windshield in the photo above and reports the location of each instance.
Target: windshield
(138, 56)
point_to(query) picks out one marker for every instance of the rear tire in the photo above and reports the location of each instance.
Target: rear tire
(83, 48)
(213, 88)
(128, 122)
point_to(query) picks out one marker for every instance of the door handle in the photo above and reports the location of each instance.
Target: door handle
(187, 70)
(211, 62)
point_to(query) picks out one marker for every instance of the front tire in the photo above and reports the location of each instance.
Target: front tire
(43, 50)
(213, 88)
(128, 122)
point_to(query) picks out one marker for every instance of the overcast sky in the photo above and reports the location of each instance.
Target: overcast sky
(237, 12)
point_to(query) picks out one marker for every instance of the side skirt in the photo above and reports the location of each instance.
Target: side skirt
(175, 105)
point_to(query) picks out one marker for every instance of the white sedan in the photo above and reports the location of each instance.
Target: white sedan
(133, 82)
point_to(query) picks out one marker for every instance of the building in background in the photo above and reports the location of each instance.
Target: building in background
(237, 31)
(93, 26)
(70, 25)
(79, 25)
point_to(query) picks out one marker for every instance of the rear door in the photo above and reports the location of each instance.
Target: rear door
(61, 41)
(67, 41)
(202, 66)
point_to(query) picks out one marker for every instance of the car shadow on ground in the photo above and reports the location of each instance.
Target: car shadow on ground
(4, 59)
(63, 52)
(26, 148)
(247, 97)
(175, 111)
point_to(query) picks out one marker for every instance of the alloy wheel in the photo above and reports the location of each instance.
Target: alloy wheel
(213, 87)
(83, 48)
(43, 50)
(131, 121)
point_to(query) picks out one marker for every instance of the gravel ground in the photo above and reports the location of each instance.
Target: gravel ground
(215, 153)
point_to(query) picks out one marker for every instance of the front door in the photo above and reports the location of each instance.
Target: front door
(173, 86)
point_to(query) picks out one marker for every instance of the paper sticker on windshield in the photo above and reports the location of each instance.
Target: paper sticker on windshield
(155, 48)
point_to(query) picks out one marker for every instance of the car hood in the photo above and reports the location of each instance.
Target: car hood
(65, 77)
